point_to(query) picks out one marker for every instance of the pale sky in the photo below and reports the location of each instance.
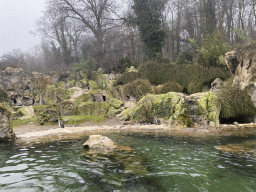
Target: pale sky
(17, 19)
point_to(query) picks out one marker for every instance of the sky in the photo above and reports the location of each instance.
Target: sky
(17, 19)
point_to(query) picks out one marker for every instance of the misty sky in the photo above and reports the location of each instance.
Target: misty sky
(17, 19)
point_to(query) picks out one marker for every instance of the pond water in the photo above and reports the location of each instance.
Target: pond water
(160, 162)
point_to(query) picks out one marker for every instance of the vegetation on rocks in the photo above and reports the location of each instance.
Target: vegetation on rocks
(235, 103)
(136, 88)
(192, 77)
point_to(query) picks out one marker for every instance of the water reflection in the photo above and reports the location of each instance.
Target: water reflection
(158, 163)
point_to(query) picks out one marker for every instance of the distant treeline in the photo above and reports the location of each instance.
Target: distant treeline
(115, 33)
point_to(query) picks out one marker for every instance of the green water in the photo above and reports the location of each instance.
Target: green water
(158, 163)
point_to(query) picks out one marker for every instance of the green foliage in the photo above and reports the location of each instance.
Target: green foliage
(126, 77)
(3, 96)
(184, 58)
(137, 88)
(148, 18)
(191, 77)
(171, 86)
(89, 64)
(241, 34)
(122, 64)
(213, 47)
(93, 108)
(235, 102)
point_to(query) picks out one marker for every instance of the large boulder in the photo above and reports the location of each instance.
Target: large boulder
(242, 64)
(6, 131)
(180, 109)
(100, 142)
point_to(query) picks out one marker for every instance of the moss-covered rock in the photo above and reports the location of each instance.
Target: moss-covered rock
(113, 111)
(49, 96)
(178, 108)
(6, 131)
(126, 114)
(115, 103)
(77, 119)
(93, 108)
(210, 105)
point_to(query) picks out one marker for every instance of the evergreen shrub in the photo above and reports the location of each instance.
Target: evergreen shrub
(191, 77)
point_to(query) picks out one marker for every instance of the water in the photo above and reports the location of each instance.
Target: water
(158, 163)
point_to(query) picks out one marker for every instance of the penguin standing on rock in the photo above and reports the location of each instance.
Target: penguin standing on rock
(61, 124)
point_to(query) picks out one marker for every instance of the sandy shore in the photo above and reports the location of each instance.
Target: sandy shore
(33, 132)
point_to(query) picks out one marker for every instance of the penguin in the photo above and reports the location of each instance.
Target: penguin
(157, 121)
(61, 124)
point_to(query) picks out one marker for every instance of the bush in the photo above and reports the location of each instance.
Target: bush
(89, 64)
(170, 86)
(127, 77)
(235, 102)
(212, 49)
(122, 64)
(185, 57)
(191, 77)
(137, 88)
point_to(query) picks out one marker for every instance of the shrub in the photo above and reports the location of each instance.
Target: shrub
(122, 64)
(213, 47)
(185, 57)
(126, 77)
(191, 77)
(89, 64)
(170, 86)
(137, 88)
(235, 102)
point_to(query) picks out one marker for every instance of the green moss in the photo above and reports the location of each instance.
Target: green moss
(113, 111)
(210, 105)
(19, 122)
(125, 115)
(167, 106)
(116, 103)
(93, 84)
(84, 98)
(20, 112)
(49, 95)
(39, 109)
(77, 119)
(93, 108)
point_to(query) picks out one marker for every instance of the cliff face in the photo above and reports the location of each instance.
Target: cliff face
(242, 63)
(6, 131)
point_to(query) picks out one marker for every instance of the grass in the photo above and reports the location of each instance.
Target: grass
(77, 119)
(19, 122)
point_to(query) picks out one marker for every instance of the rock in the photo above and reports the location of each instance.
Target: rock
(100, 142)
(180, 109)
(216, 85)
(243, 64)
(6, 131)
(232, 61)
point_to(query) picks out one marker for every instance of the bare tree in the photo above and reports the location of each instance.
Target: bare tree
(96, 15)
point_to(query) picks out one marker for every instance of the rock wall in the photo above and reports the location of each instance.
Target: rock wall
(180, 109)
(242, 63)
(6, 131)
